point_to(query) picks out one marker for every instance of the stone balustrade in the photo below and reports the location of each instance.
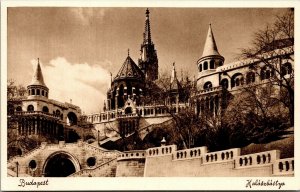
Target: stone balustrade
(219, 156)
(25, 113)
(257, 159)
(283, 166)
(190, 153)
(209, 90)
(15, 158)
(135, 154)
(159, 151)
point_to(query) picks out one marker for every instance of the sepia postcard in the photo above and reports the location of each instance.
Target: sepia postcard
(120, 95)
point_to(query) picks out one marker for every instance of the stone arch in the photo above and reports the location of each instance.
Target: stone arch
(45, 109)
(60, 164)
(212, 64)
(72, 118)
(237, 80)
(207, 85)
(30, 108)
(19, 109)
(250, 77)
(286, 69)
(224, 83)
(128, 110)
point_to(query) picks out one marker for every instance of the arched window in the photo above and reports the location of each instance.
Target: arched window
(286, 69)
(200, 67)
(250, 78)
(57, 112)
(224, 83)
(266, 73)
(205, 65)
(212, 64)
(30, 108)
(237, 80)
(38, 92)
(19, 108)
(45, 109)
(43, 93)
(33, 91)
(207, 85)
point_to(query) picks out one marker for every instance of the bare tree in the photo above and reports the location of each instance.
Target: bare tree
(272, 51)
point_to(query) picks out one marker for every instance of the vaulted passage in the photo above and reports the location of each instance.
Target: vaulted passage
(59, 165)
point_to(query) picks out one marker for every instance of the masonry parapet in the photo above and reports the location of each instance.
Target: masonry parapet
(184, 154)
(257, 159)
(221, 156)
(283, 167)
(160, 151)
(135, 154)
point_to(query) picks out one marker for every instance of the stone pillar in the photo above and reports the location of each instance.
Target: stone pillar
(35, 126)
(116, 103)
(177, 103)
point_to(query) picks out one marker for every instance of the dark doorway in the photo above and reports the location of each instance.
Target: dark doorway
(59, 165)
(128, 110)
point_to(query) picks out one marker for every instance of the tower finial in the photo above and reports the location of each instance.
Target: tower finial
(38, 60)
(147, 12)
(128, 52)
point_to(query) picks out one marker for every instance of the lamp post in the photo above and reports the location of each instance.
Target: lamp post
(17, 163)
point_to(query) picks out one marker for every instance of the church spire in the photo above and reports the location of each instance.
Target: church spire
(147, 33)
(210, 47)
(148, 61)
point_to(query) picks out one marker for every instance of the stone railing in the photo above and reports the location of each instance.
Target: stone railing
(209, 90)
(190, 153)
(95, 170)
(283, 166)
(220, 156)
(135, 154)
(257, 159)
(159, 151)
(25, 113)
(127, 115)
(104, 152)
(13, 159)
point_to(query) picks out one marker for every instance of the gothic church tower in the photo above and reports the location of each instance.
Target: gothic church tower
(148, 61)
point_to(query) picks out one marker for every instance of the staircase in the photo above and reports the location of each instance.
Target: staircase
(107, 169)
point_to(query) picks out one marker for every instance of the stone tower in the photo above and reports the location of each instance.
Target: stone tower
(37, 87)
(211, 58)
(148, 61)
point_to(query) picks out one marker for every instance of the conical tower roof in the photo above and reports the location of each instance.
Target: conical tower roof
(38, 78)
(210, 47)
(129, 70)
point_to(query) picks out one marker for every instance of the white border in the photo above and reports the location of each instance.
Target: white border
(175, 183)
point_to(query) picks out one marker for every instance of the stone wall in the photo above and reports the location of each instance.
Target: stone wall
(131, 164)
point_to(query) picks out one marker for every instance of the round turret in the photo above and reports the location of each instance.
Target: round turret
(211, 58)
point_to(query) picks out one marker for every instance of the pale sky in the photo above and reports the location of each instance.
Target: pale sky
(78, 47)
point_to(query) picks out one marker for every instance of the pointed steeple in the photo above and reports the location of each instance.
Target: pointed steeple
(148, 61)
(147, 33)
(173, 74)
(37, 87)
(210, 47)
(38, 78)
